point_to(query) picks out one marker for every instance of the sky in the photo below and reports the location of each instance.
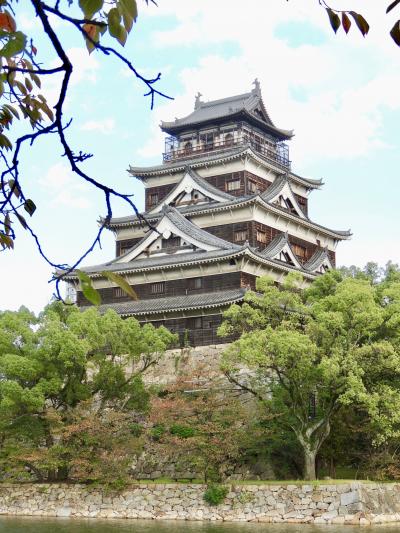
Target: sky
(340, 95)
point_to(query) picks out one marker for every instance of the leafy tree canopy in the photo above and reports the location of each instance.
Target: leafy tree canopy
(311, 352)
(54, 366)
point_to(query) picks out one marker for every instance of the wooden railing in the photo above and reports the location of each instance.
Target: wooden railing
(195, 151)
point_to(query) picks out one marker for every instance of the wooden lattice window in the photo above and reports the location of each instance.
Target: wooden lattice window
(153, 198)
(252, 186)
(233, 185)
(119, 293)
(240, 235)
(195, 283)
(261, 237)
(198, 322)
(300, 251)
(157, 288)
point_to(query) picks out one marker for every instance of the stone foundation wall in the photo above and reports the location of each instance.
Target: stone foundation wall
(185, 360)
(353, 503)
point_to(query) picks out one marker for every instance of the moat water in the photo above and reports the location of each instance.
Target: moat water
(45, 525)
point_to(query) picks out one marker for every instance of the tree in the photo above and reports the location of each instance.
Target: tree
(21, 72)
(198, 424)
(343, 17)
(309, 353)
(71, 386)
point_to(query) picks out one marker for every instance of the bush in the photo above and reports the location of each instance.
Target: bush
(158, 431)
(136, 429)
(215, 494)
(184, 432)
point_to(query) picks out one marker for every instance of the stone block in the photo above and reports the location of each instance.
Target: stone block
(348, 498)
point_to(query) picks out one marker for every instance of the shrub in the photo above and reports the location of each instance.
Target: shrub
(136, 429)
(183, 432)
(158, 431)
(215, 494)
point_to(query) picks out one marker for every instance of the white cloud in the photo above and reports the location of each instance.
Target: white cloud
(63, 188)
(105, 126)
(347, 81)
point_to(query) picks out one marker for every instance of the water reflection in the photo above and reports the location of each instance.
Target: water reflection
(38, 525)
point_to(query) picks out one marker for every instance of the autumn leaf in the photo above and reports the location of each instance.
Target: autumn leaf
(7, 22)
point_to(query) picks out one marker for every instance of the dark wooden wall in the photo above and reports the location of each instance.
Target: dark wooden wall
(187, 334)
(220, 183)
(227, 232)
(178, 287)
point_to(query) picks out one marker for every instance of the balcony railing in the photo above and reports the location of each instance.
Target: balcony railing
(279, 156)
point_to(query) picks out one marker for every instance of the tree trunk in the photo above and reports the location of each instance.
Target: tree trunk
(309, 463)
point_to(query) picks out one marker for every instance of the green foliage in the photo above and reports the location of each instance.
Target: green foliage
(184, 432)
(336, 342)
(215, 494)
(158, 431)
(63, 376)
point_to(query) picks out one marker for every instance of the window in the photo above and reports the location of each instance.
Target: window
(188, 147)
(153, 198)
(119, 293)
(233, 185)
(208, 140)
(240, 235)
(261, 237)
(195, 283)
(157, 288)
(252, 186)
(198, 323)
(300, 251)
(228, 139)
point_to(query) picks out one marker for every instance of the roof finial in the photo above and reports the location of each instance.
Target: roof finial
(257, 88)
(197, 101)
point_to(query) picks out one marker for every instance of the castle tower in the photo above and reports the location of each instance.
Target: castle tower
(223, 208)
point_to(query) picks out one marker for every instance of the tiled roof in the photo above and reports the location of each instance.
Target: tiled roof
(226, 107)
(217, 206)
(201, 235)
(176, 303)
(162, 261)
(275, 246)
(196, 160)
(317, 259)
(219, 156)
(204, 184)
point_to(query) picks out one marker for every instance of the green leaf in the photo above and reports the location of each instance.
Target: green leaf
(395, 33)
(89, 292)
(15, 187)
(5, 142)
(334, 19)
(28, 84)
(90, 7)
(128, 9)
(15, 45)
(114, 21)
(362, 24)
(7, 224)
(21, 220)
(121, 282)
(6, 241)
(12, 110)
(29, 206)
(115, 28)
(392, 5)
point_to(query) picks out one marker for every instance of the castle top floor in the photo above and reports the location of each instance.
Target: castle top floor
(220, 124)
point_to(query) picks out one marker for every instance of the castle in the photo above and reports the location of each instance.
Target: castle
(223, 208)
